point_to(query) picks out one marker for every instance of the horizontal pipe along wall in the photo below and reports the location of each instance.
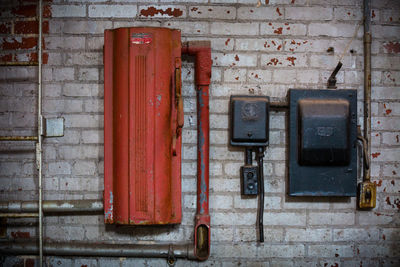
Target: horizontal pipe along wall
(261, 50)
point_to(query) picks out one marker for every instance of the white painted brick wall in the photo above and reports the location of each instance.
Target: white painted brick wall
(261, 51)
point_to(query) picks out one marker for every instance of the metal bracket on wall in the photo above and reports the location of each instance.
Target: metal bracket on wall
(53, 127)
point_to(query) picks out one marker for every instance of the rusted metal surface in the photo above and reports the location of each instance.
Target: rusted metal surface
(202, 52)
(30, 247)
(367, 82)
(284, 105)
(19, 215)
(16, 63)
(142, 131)
(18, 138)
(52, 206)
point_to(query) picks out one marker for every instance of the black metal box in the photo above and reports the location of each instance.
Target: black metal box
(249, 119)
(323, 155)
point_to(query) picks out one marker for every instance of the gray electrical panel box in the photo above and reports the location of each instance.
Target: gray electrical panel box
(323, 155)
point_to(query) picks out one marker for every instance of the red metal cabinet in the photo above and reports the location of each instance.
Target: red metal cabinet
(143, 117)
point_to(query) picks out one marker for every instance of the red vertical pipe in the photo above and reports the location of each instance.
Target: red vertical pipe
(202, 52)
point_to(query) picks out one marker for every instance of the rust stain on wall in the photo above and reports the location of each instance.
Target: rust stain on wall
(392, 47)
(152, 11)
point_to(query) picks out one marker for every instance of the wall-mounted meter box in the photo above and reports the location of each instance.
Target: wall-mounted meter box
(323, 137)
(249, 120)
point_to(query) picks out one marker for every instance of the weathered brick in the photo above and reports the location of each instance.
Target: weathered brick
(277, 60)
(259, 44)
(344, 251)
(308, 235)
(356, 234)
(239, 60)
(112, 11)
(220, 12)
(162, 11)
(275, 28)
(224, 28)
(333, 30)
(308, 13)
(260, 13)
(324, 218)
(68, 11)
(347, 13)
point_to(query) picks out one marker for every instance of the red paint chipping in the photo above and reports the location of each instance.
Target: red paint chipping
(335, 265)
(336, 255)
(24, 11)
(373, 14)
(19, 43)
(379, 122)
(270, 24)
(388, 201)
(227, 41)
(5, 58)
(278, 11)
(256, 76)
(26, 27)
(279, 47)
(236, 78)
(392, 182)
(392, 47)
(266, 2)
(291, 59)
(383, 237)
(19, 234)
(5, 28)
(251, 10)
(194, 9)
(348, 13)
(388, 111)
(152, 11)
(237, 58)
(292, 2)
(278, 31)
(33, 57)
(375, 155)
(379, 184)
(391, 19)
(273, 42)
(274, 61)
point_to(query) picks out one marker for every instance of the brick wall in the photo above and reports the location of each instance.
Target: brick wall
(255, 50)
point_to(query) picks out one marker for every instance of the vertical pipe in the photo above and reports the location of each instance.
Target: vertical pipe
(202, 52)
(261, 194)
(39, 133)
(249, 156)
(367, 83)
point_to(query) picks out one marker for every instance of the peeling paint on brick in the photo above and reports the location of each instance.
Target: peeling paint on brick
(152, 11)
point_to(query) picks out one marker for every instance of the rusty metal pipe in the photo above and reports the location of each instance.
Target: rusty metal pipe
(53, 206)
(23, 63)
(18, 138)
(367, 84)
(19, 215)
(201, 50)
(170, 251)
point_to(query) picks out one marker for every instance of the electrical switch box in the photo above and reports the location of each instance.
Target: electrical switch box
(323, 136)
(249, 120)
(249, 180)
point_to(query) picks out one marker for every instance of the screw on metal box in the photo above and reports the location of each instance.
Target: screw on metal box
(249, 128)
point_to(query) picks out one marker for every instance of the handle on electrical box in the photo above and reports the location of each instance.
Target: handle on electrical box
(179, 105)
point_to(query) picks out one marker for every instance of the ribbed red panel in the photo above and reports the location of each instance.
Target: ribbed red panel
(142, 181)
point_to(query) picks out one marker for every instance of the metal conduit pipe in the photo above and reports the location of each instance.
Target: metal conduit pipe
(52, 206)
(367, 83)
(30, 247)
(201, 50)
